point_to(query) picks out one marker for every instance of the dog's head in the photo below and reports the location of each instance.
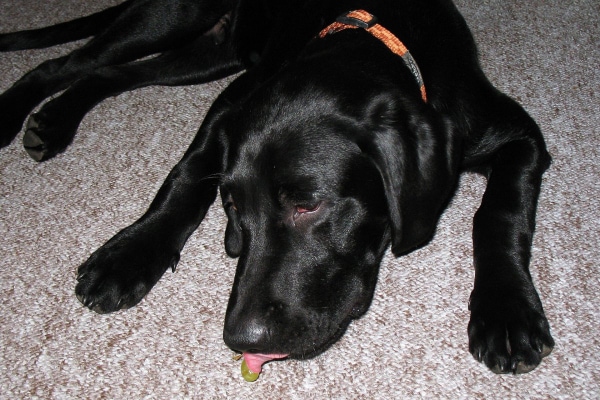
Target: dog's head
(315, 188)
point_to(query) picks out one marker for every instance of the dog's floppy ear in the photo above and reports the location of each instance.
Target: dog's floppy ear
(413, 153)
(233, 231)
(233, 238)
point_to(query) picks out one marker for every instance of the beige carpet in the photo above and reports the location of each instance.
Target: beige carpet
(412, 343)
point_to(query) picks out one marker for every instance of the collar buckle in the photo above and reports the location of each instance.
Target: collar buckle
(347, 19)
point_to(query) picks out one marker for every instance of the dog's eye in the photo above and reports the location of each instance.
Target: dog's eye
(302, 209)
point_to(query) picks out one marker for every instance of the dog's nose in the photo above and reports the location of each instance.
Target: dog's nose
(251, 335)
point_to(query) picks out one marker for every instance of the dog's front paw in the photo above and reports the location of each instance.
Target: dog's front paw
(120, 273)
(509, 334)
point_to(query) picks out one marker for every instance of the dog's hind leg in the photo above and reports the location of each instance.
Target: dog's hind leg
(53, 128)
(139, 31)
(69, 31)
(508, 329)
(50, 76)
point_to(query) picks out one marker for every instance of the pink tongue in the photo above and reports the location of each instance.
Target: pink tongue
(256, 361)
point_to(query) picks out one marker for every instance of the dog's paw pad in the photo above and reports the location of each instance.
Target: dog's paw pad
(34, 144)
(43, 139)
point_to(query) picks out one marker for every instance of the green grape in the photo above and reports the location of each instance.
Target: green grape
(248, 375)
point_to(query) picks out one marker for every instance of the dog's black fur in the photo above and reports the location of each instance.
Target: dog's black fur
(324, 152)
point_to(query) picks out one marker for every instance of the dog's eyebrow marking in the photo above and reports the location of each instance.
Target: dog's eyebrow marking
(299, 190)
(293, 198)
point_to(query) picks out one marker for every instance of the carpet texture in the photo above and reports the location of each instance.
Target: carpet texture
(411, 344)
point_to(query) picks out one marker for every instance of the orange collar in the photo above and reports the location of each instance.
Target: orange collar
(362, 19)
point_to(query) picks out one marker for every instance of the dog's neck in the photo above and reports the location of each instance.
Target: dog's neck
(363, 19)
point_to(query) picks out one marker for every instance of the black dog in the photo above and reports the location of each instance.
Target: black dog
(333, 144)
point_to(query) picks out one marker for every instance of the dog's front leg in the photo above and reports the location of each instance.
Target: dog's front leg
(120, 273)
(508, 330)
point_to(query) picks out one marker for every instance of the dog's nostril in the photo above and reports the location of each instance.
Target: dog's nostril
(248, 336)
(256, 329)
